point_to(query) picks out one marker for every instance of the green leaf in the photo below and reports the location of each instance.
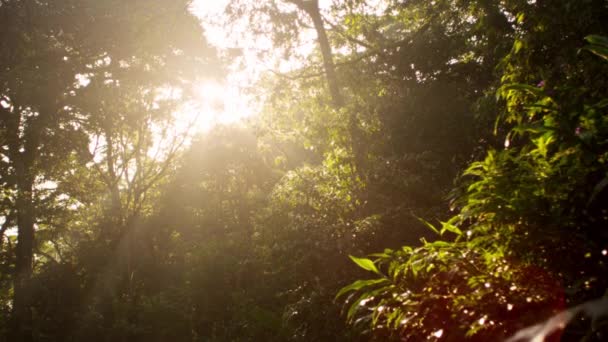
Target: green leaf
(597, 39)
(447, 227)
(603, 103)
(598, 50)
(429, 225)
(524, 88)
(356, 305)
(439, 244)
(365, 264)
(599, 45)
(367, 295)
(380, 255)
(360, 284)
(517, 45)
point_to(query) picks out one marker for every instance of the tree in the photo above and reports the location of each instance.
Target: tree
(51, 51)
(361, 171)
(526, 220)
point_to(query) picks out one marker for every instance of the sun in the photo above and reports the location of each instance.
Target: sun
(220, 103)
(214, 103)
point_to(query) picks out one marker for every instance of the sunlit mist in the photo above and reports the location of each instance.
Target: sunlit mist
(213, 103)
(303, 170)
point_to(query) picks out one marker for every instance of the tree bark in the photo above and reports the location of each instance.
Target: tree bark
(312, 9)
(115, 214)
(23, 152)
(24, 256)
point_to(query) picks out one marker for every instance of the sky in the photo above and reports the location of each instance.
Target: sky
(232, 96)
(229, 102)
(217, 102)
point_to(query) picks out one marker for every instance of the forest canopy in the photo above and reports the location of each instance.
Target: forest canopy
(303, 170)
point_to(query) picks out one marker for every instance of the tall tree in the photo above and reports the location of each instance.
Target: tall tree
(50, 54)
(311, 7)
(526, 221)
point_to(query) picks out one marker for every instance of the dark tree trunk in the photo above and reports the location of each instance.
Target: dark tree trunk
(312, 9)
(116, 205)
(23, 152)
(24, 258)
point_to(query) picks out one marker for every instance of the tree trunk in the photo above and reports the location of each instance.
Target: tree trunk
(312, 9)
(24, 257)
(115, 210)
(23, 152)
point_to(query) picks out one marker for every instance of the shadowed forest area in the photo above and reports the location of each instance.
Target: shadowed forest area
(412, 171)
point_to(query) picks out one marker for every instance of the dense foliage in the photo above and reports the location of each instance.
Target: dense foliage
(452, 155)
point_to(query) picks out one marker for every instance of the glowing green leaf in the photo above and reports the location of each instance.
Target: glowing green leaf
(365, 264)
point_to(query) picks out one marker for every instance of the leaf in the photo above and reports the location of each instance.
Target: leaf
(380, 255)
(439, 244)
(603, 103)
(382, 291)
(360, 284)
(429, 225)
(524, 87)
(365, 264)
(530, 128)
(450, 228)
(356, 305)
(599, 45)
(598, 50)
(597, 39)
(517, 45)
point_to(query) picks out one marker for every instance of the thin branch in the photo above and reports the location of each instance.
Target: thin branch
(346, 36)
(50, 258)
(57, 249)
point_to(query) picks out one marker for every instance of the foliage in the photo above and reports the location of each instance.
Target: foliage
(117, 224)
(525, 209)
